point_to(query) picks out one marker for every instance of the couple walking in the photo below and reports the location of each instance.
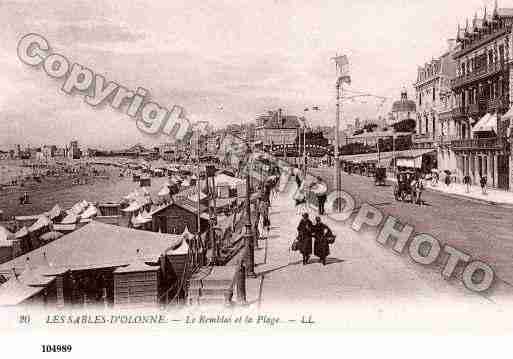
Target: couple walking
(320, 232)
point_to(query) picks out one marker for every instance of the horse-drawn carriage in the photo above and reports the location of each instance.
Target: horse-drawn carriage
(408, 186)
(380, 176)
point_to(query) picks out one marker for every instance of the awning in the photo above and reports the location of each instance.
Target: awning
(487, 123)
(412, 158)
(91, 211)
(70, 219)
(508, 115)
(42, 222)
(409, 162)
(64, 227)
(22, 232)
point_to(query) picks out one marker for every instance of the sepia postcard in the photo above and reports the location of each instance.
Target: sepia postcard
(331, 168)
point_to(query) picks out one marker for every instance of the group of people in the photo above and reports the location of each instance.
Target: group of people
(319, 235)
(467, 181)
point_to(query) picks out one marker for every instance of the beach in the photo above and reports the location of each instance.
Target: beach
(62, 190)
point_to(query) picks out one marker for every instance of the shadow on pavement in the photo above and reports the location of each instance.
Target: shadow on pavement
(328, 261)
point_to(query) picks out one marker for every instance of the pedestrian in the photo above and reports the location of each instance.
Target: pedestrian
(483, 184)
(298, 179)
(304, 230)
(322, 233)
(300, 201)
(321, 194)
(264, 214)
(467, 182)
(447, 180)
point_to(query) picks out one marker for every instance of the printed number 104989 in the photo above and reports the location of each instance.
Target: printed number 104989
(56, 348)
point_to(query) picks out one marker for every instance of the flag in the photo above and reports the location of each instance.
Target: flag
(342, 64)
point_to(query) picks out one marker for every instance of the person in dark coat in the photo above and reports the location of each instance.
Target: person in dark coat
(321, 232)
(305, 237)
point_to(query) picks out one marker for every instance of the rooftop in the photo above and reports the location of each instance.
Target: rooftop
(97, 245)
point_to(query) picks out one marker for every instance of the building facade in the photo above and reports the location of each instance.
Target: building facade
(402, 110)
(435, 127)
(275, 128)
(482, 93)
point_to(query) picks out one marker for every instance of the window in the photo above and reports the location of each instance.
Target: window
(434, 94)
(420, 98)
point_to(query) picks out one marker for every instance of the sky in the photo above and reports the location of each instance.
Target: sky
(222, 61)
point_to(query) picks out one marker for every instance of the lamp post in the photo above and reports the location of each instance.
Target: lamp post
(248, 236)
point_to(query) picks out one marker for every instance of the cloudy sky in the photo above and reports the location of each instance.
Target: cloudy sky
(223, 61)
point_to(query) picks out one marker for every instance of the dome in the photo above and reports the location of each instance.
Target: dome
(404, 105)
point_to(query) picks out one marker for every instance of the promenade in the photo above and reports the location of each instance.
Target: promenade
(358, 269)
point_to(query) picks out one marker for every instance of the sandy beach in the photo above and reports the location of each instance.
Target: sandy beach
(62, 191)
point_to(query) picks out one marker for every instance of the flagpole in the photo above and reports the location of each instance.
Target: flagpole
(338, 184)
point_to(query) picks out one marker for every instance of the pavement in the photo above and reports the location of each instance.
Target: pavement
(491, 196)
(359, 270)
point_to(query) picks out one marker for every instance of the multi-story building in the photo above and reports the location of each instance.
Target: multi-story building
(434, 124)
(482, 92)
(449, 131)
(275, 128)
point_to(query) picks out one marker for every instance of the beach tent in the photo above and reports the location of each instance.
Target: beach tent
(132, 195)
(22, 232)
(164, 191)
(193, 196)
(134, 206)
(77, 208)
(71, 218)
(91, 211)
(233, 182)
(42, 222)
(54, 212)
(50, 236)
(6, 235)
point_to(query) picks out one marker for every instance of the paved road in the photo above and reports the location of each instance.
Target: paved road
(481, 230)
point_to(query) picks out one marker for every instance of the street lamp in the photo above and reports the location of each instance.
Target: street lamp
(248, 236)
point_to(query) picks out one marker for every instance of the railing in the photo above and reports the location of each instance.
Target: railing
(459, 112)
(494, 143)
(447, 139)
(479, 43)
(422, 137)
(478, 73)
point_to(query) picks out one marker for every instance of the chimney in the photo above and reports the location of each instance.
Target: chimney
(451, 44)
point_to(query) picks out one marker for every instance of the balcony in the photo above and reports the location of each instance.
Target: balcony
(498, 104)
(478, 74)
(423, 138)
(494, 143)
(447, 139)
(459, 112)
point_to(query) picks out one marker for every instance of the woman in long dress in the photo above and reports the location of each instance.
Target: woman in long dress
(305, 237)
(321, 232)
